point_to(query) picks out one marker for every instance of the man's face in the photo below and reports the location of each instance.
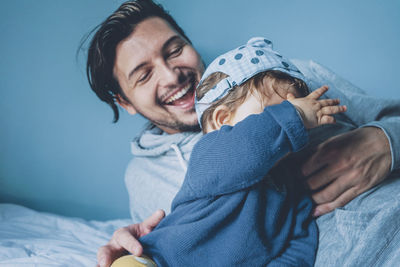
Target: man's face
(158, 71)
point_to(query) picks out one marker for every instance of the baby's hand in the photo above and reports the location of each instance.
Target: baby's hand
(316, 112)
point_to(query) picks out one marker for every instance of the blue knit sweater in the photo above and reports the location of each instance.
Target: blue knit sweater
(229, 211)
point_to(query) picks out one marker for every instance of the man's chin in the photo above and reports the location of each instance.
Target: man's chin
(189, 128)
(186, 121)
(192, 125)
(178, 126)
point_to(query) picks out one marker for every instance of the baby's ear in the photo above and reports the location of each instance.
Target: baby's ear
(221, 116)
(290, 96)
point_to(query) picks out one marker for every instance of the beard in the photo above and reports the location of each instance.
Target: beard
(188, 128)
(178, 125)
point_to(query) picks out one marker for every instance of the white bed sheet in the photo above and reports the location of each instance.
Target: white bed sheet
(31, 238)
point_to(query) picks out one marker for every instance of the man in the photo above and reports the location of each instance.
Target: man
(141, 59)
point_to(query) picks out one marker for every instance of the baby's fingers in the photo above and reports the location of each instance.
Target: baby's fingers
(318, 93)
(326, 119)
(328, 102)
(329, 110)
(325, 114)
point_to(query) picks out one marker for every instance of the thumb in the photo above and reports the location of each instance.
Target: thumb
(154, 219)
(290, 96)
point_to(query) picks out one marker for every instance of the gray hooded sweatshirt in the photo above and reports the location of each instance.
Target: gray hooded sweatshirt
(159, 165)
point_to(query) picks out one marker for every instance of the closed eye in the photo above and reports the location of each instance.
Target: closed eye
(144, 76)
(175, 52)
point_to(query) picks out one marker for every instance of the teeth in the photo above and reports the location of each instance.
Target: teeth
(178, 94)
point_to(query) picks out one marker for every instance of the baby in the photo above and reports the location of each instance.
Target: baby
(229, 210)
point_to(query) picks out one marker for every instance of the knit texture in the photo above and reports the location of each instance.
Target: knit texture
(229, 211)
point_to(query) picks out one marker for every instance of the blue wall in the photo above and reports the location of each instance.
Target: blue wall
(59, 151)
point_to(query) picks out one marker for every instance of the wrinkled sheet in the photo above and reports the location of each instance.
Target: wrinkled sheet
(31, 238)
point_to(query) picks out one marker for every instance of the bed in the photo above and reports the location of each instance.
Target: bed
(32, 238)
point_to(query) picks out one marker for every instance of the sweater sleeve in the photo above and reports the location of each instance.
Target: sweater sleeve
(234, 158)
(363, 110)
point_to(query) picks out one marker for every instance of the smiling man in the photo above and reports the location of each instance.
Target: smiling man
(140, 59)
(159, 81)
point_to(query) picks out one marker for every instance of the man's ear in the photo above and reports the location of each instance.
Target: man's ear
(125, 105)
(221, 116)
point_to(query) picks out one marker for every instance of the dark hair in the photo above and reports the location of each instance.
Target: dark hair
(102, 49)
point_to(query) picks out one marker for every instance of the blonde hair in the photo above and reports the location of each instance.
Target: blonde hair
(239, 94)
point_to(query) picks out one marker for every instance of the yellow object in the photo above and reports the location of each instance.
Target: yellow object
(133, 261)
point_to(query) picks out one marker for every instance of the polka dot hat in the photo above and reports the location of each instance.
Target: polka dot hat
(241, 64)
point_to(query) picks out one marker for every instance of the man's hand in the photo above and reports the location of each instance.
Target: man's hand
(125, 240)
(347, 165)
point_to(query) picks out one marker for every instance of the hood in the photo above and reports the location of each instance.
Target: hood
(154, 142)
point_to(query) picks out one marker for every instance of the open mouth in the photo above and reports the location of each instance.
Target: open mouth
(183, 97)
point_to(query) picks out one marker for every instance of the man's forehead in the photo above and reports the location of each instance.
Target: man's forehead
(146, 41)
(149, 35)
(152, 25)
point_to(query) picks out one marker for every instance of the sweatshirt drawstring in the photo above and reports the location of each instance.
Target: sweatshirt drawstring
(178, 152)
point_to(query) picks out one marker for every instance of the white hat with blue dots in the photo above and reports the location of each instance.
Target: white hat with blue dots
(241, 64)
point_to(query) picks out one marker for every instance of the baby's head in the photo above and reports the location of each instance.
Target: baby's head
(243, 81)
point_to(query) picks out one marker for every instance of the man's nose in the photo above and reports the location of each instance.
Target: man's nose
(170, 76)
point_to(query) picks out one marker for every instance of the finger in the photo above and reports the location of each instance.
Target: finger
(322, 178)
(126, 239)
(153, 220)
(290, 96)
(329, 110)
(326, 174)
(341, 201)
(104, 256)
(328, 102)
(318, 93)
(315, 162)
(326, 119)
(332, 191)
